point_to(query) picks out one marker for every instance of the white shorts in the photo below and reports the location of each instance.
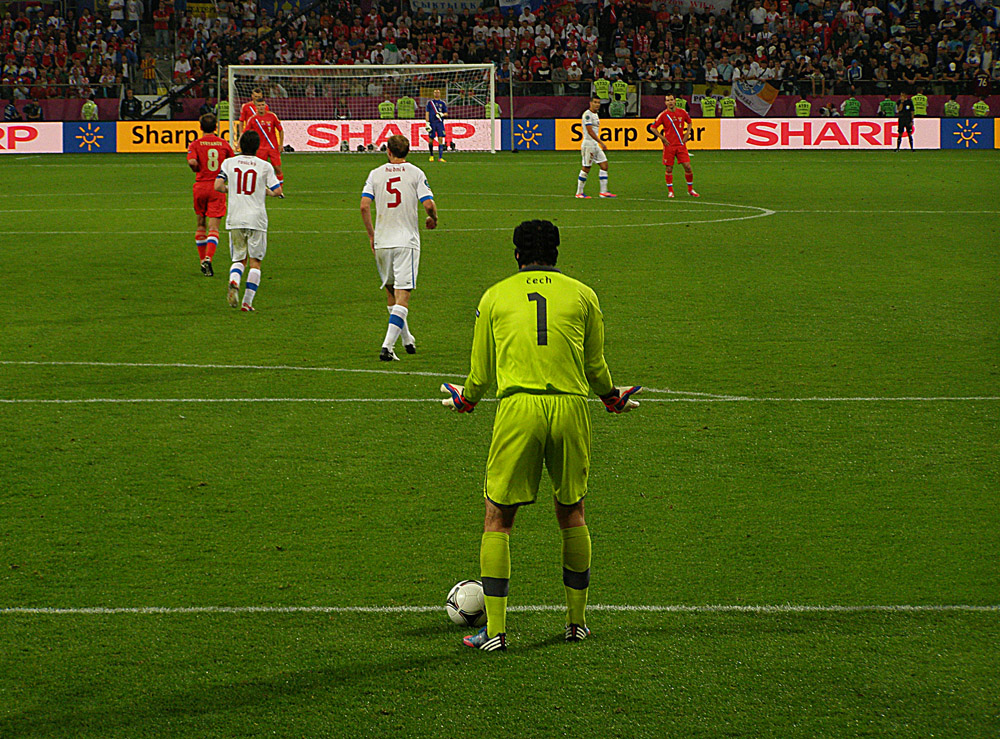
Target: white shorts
(592, 154)
(244, 241)
(398, 266)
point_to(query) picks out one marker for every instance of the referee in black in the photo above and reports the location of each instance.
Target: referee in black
(905, 114)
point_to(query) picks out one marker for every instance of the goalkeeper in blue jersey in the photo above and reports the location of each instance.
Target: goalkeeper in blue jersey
(436, 112)
(540, 335)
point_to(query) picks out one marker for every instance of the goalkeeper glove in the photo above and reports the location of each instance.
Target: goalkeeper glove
(457, 401)
(620, 400)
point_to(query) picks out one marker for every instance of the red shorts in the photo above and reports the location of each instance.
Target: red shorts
(274, 157)
(681, 152)
(208, 202)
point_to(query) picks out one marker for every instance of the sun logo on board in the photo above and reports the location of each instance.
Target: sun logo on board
(528, 133)
(90, 136)
(967, 133)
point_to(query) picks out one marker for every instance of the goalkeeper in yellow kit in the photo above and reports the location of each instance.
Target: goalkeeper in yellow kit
(540, 335)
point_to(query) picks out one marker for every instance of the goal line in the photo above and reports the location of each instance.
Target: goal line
(607, 608)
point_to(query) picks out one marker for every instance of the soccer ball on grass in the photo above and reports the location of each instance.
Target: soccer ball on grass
(466, 604)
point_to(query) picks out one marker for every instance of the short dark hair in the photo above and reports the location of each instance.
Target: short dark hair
(208, 122)
(596, 97)
(249, 143)
(399, 147)
(536, 242)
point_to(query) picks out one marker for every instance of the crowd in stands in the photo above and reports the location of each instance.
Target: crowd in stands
(870, 45)
(803, 47)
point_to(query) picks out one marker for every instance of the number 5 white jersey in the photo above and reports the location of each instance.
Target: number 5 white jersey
(248, 178)
(397, 190)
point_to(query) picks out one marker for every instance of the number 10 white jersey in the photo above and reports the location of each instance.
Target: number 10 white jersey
(397, 190)
(248, 178)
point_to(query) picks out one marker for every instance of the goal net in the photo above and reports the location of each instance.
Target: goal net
(340, 108)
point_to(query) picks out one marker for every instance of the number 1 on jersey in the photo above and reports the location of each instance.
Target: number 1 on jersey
(543, 321)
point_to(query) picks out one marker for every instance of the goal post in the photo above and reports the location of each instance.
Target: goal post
(338, 108)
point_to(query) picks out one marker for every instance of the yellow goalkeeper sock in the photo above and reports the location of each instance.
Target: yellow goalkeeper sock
(494, 563)
(576, 572)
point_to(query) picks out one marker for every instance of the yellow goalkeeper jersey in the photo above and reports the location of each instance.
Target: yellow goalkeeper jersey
(539, 332)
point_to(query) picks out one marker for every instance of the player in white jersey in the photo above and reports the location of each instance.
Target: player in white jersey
(592, 149)
(398, 189)
(249, 180)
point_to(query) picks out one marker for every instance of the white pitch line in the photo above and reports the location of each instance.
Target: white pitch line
(904, 212)
(186, 365)
(607, 608)
(134, 401)
(877, 399)
(285, 367)
(679, 207)
(85, 401)
(761, 213)
(698, 397)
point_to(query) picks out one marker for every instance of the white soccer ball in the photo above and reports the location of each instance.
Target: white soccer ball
(466, 604)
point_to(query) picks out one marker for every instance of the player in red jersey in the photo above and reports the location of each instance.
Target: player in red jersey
(205, 157)
(248, 110)
(675, 124)
(272, 137)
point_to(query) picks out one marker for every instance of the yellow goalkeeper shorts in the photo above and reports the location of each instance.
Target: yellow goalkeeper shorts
(531, 430)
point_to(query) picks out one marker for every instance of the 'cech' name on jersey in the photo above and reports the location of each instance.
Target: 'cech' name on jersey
(538, 281)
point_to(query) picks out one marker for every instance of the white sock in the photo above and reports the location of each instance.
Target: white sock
(236, 273)
(253, 281)
(581, 180)
(397, 319)
(408, 338)
(603, 176)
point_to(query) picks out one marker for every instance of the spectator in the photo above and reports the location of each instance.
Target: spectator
(33, 111)
(117, 10)
(161, 26)
(10, 113)
(131, 108)
(182, 69)
(89, 110)
(148, 69)
(133, 13)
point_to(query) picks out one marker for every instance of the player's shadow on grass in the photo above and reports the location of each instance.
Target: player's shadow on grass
(439, 630)
(553, 641)
(333, 686)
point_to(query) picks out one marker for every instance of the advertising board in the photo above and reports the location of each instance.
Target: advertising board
(31, 138)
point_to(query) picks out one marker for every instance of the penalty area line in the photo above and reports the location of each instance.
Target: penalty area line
(283, 367)
(606, 608)
(135, 401)
(189, 365)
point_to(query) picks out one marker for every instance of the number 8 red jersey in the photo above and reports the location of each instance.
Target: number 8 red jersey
(210, 151)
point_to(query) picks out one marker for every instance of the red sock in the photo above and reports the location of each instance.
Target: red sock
(199, 241)
(669, 177)
(689, 177)
(210, 244)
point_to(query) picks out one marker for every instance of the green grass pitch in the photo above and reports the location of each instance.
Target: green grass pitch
(824, 336)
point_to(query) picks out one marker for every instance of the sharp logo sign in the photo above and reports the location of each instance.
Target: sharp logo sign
(468, 135)
(31, 138)
(631, 134)
(824, 133)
